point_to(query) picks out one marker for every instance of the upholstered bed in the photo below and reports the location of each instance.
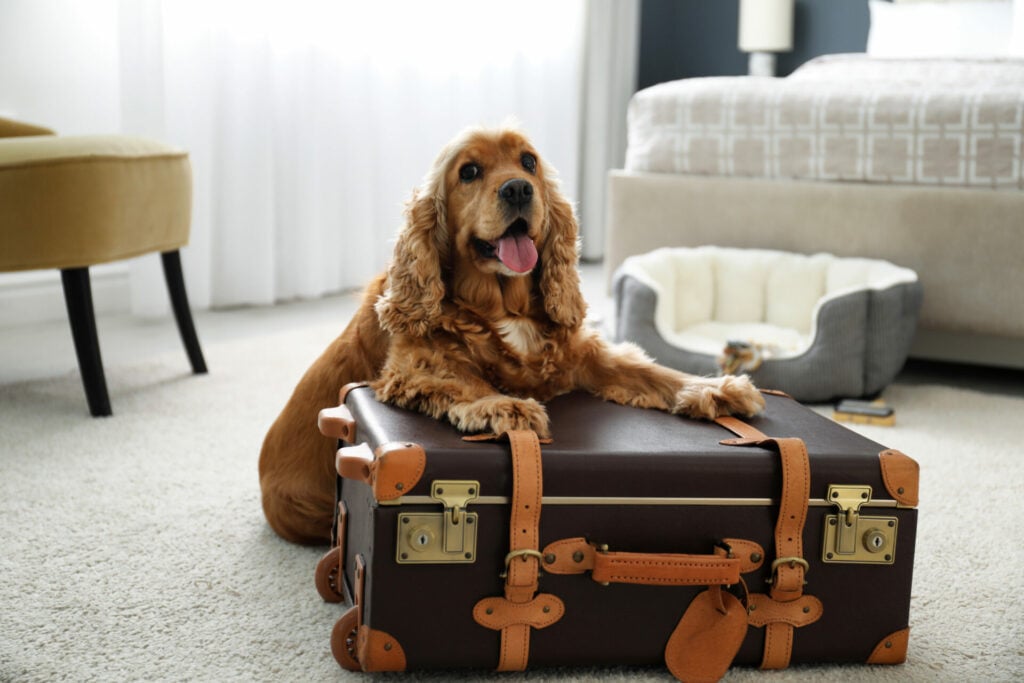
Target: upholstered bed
(919, 162)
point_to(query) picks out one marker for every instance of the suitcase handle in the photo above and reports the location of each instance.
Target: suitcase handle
(576, 556)
(337, 423)
(356, 462)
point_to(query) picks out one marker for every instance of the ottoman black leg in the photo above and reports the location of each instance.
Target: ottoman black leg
(78, 297)
(182, 313)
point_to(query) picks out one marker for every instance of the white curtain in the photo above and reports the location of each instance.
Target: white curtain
(612, 40)
(309, 122)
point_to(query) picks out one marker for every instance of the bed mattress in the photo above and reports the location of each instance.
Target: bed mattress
(934, 122)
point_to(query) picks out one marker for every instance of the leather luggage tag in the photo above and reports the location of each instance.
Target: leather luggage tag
(707, 638)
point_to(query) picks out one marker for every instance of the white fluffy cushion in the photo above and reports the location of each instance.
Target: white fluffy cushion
(1017, 32)
(979, 28)
(708, 296)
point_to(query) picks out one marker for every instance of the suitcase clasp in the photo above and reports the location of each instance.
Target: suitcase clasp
(851, 537)
(446, 537)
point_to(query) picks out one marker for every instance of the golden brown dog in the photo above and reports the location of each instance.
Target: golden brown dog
(478, 320)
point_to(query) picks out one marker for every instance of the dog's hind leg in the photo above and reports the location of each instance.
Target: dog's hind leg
(297, 474)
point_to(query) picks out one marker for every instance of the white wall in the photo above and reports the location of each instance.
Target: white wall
(68, 64)
(59, 64)
(59, 68)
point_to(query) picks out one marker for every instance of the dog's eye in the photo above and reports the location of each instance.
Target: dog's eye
(529, 162)
(469, 172)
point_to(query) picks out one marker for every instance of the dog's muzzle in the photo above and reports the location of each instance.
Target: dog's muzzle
(514, 248)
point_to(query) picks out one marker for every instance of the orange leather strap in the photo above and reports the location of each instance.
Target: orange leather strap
(740, 429)
(521, 609)
(524, 529)
(788, 583)
(789, 567)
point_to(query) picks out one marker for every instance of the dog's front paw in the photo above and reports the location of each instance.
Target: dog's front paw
(711, 397)
(499, 414)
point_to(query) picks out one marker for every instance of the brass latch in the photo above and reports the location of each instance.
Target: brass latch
(851, 537)
(445, 537)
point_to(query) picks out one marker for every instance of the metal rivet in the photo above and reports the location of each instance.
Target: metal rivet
(835, 494)
(864, 496)
(399, 486)
(469, 520)
(546, 609)
(888, 643)
(806, 610)
(490, 610)
(829, 556)
(405, 556)
(472, 492)
(752, 608)
(387, 647)
(440, 491)
(405, 520)
(469, 556)
(549, 558)
(577, 556)
(888, 558)
(755, 557)
(832, 522)
(900, 490)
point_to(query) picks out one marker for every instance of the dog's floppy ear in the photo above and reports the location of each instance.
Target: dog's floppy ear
(560, 278)
(415, 288)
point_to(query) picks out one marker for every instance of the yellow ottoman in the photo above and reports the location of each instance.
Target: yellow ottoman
(69, 202)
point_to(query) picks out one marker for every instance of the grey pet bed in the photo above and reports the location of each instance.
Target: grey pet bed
(824, 326)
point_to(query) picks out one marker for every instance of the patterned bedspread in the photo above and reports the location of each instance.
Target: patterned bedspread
(842, 118)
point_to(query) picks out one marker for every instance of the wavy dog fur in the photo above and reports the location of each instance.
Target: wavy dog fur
(453, 328)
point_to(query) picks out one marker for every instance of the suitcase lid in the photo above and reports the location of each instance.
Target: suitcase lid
(605, 450)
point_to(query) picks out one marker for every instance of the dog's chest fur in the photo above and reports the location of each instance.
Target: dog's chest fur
(522, 334)
(532, 364)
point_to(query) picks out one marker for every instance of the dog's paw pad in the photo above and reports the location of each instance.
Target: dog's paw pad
(711, 398)
(500, 414)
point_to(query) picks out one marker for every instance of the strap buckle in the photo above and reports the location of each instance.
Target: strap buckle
(524, 553)
(792, 562)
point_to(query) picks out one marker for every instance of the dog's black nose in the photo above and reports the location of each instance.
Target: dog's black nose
(517, 192)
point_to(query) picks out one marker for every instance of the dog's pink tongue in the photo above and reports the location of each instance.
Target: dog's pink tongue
(517, 252)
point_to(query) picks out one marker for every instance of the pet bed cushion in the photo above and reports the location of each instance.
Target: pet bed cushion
(825, 326)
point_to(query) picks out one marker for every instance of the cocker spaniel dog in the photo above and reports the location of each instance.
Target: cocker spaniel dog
(478, 320)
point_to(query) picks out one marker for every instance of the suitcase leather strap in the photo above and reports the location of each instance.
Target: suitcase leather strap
(783, 608)
(521, 609)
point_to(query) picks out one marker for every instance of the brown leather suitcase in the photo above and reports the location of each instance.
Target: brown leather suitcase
(633, 538)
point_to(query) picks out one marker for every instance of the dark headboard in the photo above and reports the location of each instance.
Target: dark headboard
(687, 38)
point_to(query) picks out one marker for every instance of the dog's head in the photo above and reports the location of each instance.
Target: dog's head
(491, 207)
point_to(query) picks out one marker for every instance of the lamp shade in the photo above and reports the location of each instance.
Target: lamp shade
(766, 25)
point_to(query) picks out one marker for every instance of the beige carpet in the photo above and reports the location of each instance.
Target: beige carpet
(133, 548)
